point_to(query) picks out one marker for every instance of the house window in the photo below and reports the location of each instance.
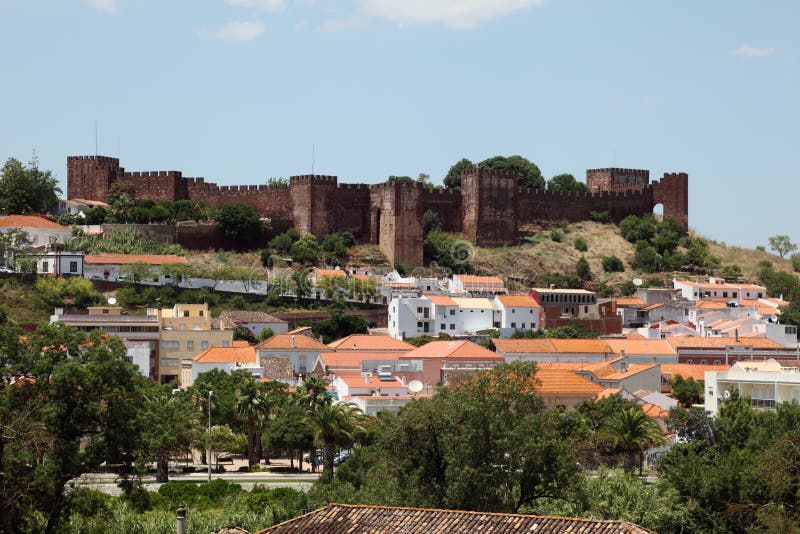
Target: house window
(170, 345)
(523, 326)
(45, 267)
(761, 295)
(452, 312)
(444, 327)
(190, 345)
(513, 325)
(419, 324)
(419, 310)
(724, 294)
(196, 326)
(73, 266)
(181, 326)
(201, 313)
(204, 345)
(452, 326)
(513, 310)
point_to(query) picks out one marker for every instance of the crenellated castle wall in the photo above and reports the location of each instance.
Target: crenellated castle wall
(489, 208)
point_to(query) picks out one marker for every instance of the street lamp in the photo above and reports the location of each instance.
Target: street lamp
(209, 434)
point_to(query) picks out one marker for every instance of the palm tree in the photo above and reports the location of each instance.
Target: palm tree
(313, 391)
(633, 432)
(251, 405)
(331, 423)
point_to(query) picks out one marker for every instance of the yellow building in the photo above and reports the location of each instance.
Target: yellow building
(185, 330)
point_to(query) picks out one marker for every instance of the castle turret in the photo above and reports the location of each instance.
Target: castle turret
(489, 206)
(90, 177)
(313, 203)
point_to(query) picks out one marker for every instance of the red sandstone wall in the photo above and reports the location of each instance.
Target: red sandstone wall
(89, 177)
(352, 210)
(489, 206)
(313, 202)
(396, 222)
(673, 192)
(447, 204)
(273, 202)
(617, 179)
(156, 185)
(545, 205)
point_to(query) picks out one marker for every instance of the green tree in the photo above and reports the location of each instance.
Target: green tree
(137, 272)
(178, 272)
(581, 245)
(72, 413)
(453, 178)
(687, 391)
(26, 189)
(335, 250)
(241, 224)
(170, 424)
(566, 182)
(333, 423)
(430, 222)
(252, 406)
(612, 264)
(306, 250)
(122, 208)
(782, 245)
(632, 432)
(12, 243)
(530, 177)
(794, 259)
(242, 333)
(583, 270)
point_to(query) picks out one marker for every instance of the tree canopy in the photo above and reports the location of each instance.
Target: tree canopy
(530, 177)
(566, 182)
(27, 188)
(453, 178)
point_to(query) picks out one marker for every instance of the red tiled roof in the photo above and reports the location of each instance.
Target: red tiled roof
(227, 355)
(479, 281)
(370, 342)
(656, 412)
(29, 221)
(441, 300)
(352, 360)
(679, 342)
(688, 370)
(362, 519)
(641, 346)
(290, 342)
(521, 301)
(360, 381)
(564, 382)
(629, 302)
(457, 350)
(125, 259)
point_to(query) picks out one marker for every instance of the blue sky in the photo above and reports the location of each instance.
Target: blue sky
(238, 91)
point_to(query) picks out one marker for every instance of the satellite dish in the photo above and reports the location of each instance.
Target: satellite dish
(415, 386)
(112, 301)
(726, 394)
(637, 282)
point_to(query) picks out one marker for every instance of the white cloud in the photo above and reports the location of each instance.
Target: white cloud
(745, 50)
(265, 5)
(461, 14)
(109, 6)
(350, 22)
(300, 26)
(239, 31)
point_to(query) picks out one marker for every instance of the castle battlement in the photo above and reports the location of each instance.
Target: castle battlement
(489, 208)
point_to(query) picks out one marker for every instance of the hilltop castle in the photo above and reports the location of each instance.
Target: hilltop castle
(488, 209)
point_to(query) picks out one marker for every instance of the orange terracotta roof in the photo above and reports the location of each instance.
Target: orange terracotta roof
(601, 369)
(679, 342)
(572, 366)
(633, 369)
(608, 392)
(334, 273)
(524, 345)
(455, 350)
(564, 382)
(652, 347)
(688, 370)
(593, 346)
(364, 519)
(656, 412)
(301, 330)
(653, 306)
(29, 221)
(710, 305)
(245, 354)
(126, 259)
(441, 300)
(629, 302)
(240, 343)
(370, 342)
(479, 281)
(637, 337)
(291, 342)
(352, 360)
(360, 381)
(522, 301)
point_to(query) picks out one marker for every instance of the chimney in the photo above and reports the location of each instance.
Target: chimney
(293, 344)
(367, 377)
(737, 335)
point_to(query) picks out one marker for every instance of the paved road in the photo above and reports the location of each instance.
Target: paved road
(109, 483)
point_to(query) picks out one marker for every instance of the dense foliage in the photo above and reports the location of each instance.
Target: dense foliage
(27, 188)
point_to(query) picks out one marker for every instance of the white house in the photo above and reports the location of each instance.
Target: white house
(302, 351)
(58, 263)
(460, 316)
(240, 356)
(476, 285)
(110, 266)
(41, 231)
(766, 383)
(719, 289)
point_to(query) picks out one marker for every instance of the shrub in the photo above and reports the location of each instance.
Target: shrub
(583, 270)
(563, 224)
(556, 236)
(599, 216)
(612, 264)
(581, 245)
(795, 260)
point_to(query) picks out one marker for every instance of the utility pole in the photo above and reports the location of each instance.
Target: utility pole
(209, 434)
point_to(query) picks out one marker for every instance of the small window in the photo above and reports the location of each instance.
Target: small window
(419, 310)
(513, 325)
(444, 327)
(204, 345)
(190, 345)
(45, 267)
(513, 310)
(452, 326)
(73, 266)
(201, 313)
(105, 311)
(452, 312)
(181, 326)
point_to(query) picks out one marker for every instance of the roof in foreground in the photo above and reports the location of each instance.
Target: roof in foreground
(370, 342)
(29, 221)
(360, 519)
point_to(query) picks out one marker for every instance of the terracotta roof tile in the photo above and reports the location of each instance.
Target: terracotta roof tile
(644, 346)
(688, 370)
(370, 342)
(227, 355)
(361, 519)
(524, 345)
(352, 360)
(595, 346)
(477, 282)
(441, 300)
(564, 382)
(679, 342)
(291, 341)
(629, 302)
(456, 350)
(125, 259)
(656, 412)
(29, 221)
(325, 273)
(525, 301)
(360, 381)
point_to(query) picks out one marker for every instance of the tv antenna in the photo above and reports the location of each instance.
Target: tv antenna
(95, 137)
(312, 159)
